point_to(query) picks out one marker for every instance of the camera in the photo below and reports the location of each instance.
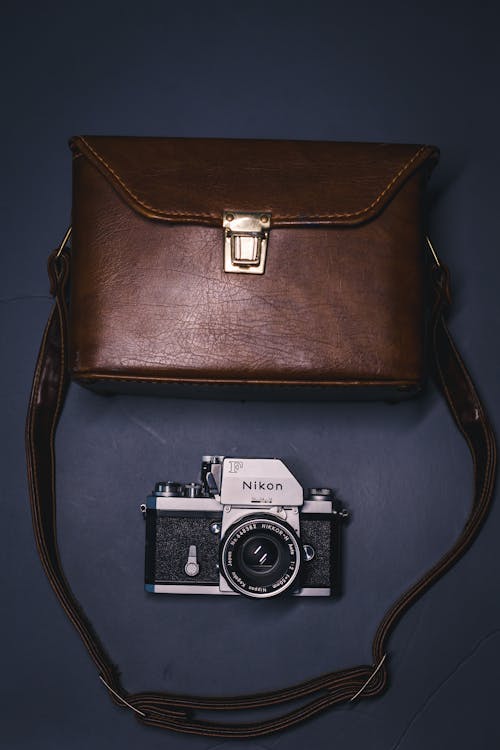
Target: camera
(247, 527)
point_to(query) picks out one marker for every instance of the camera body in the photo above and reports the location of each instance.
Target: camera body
(246, 527)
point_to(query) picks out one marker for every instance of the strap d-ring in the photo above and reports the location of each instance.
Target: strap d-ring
(64, 242)
(433, 252)
(120, 698)
(378, 667)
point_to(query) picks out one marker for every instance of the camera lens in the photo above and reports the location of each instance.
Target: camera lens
(260, 556)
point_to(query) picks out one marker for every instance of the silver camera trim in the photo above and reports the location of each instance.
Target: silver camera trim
(186, 588)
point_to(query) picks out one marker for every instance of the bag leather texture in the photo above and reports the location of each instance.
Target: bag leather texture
(349, 303)
(341, 301)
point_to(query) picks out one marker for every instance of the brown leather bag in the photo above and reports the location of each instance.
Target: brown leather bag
(291, 268)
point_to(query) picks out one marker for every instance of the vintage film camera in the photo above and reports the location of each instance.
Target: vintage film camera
(246, 528)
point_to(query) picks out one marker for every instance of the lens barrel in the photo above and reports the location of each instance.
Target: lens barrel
(260, 556)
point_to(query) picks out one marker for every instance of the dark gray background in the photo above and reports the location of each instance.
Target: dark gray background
(410, 72)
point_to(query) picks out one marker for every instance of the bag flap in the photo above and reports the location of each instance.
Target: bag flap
(193, 180)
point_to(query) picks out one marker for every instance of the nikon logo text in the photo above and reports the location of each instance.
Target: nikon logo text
(262, 485)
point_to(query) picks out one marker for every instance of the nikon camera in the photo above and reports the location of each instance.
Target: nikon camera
(246, 528)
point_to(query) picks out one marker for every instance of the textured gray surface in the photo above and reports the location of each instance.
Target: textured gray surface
(390, 71)
(172, 538)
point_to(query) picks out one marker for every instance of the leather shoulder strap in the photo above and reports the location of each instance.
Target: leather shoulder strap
(178, 712)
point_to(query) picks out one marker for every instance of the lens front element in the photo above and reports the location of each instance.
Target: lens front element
(260, 557)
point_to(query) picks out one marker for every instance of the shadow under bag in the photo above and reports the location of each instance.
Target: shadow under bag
(292, 269)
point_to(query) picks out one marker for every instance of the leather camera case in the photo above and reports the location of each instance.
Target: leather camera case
(340, 297)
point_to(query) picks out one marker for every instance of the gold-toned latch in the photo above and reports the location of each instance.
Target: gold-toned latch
(245, 241)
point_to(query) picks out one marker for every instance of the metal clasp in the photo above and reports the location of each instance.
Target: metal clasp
(245, 241)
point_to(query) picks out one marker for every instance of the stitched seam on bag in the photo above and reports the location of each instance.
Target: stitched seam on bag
(133, 195)
(245, 383)
(348, 214)
(388, 187)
